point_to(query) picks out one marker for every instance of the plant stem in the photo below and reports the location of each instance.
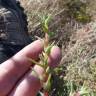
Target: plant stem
(46, 41)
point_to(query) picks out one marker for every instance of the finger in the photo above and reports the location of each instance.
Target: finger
(30, 84)
(15, 67)
(54, 57)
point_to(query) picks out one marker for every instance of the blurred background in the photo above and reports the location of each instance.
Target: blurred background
(74, 25)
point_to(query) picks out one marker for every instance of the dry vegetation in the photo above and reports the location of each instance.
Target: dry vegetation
(77, 39)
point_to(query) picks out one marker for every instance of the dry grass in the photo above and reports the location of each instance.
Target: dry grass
(78, 42)
(80, 58)
(61, 23)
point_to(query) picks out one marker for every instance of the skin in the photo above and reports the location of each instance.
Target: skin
(16, 76)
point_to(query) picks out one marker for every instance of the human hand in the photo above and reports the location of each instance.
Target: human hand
(16, 78)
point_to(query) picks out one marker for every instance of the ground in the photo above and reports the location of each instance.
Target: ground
(76, 39)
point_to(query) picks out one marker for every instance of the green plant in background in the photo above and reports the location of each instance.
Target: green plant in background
(77, 10)
(75, 90)
(70, 88)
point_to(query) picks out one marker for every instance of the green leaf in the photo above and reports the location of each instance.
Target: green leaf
(48, 50)
(84, 91)
(45, 22)
(47, 85)
(35, 62)
(45, 29)
(46, 62)
(47, 19)
(51, 34)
